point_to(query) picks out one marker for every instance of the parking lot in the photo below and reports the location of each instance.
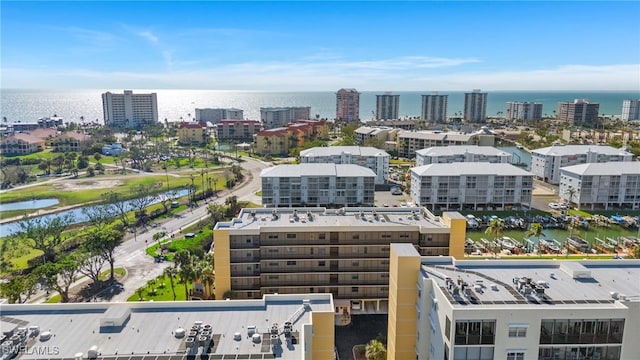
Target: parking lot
(385, 197)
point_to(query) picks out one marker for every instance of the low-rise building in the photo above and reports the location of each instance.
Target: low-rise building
(279, 117)
(317, 185)
(411, 141)
(601, 185)
(288, 327)
(364, 133)
(215, 115)
(471, 186)
(52, 122)
(237, 130)
(193, 133)
(546, 162)
(70, 141)
(375, 159)
(461, 153)
(444, 308)
(394, 124)
(280, 141)
(344, 252)
(21, 144)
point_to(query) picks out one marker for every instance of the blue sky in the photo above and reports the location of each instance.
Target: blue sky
(321, 45)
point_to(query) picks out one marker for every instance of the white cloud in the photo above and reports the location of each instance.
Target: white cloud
(148, 35)
(405, 73)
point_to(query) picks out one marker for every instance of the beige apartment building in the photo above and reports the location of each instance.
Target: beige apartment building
(344, 251)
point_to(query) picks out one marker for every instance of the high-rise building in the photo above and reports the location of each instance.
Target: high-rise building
(387, 106)
(443, 308)
(348, 105)
(129, 110)
(434, 108)
(528, 111)
(475, 106)
(278, 117)
(215, 115)
(578, 112)
(631, 110)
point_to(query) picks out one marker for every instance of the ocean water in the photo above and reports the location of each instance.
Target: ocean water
(29, 105)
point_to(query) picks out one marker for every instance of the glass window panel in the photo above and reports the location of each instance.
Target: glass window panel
(486, 353)
(616, 329)
(546, 330)
(473, 353)
(474, 332)
(459, 353)
(488, 332)
(461, 333)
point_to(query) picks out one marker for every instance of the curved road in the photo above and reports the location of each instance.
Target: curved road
(131, 254)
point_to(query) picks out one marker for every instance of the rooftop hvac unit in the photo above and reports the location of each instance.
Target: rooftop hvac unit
(256, 338)
(93, 352)
(274, 339)
(179, 333)
(251, 329)
(237, 336)
(189, 342)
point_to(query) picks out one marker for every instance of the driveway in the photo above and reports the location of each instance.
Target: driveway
(362, 329)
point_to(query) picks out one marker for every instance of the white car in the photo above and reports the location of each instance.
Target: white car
(554, 206)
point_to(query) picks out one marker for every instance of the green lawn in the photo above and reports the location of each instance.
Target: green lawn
(163, 291)
(54, 299)
(118, 272)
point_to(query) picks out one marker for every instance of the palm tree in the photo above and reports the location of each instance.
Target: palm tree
(171, 272)
(571, 192)
(535, 230)
(184, 262)
(496, 227)
(375, 350)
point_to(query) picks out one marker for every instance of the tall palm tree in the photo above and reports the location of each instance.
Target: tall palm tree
(375, 350)
(536, 230)
(495, 228)
(171, 272)
(184, 261)
(571, 192)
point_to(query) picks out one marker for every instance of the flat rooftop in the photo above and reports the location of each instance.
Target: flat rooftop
(149, 331)
(470, 168)
(561, 150)
(611, 168)
(462, 149)
(339, 150)
(363, 218)
(323, 169)
(576, 283)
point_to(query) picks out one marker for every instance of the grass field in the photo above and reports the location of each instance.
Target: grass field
(88, 195)
(117, 271)
(162, 291)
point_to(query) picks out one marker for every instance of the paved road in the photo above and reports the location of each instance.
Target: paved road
(131, 254)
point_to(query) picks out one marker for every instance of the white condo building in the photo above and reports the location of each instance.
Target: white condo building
(546, 162)
(129, 110)
(461, 153)
(631, 110)
(411, 141)
(317, 185)
(272, 117)
(601, 185)
(372, 158)
(528, 111)
(387, 106)
(512, 309)
(434, 108)
(215, 115)
(471, 186)
(475, 106)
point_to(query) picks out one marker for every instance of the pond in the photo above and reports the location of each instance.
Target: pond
(77, 214)
(30, 204)
(518, 155)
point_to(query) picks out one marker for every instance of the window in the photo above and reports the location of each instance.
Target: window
(355, 277)
(321, 263)
(291, 263)
(447, 328)
(515, 355)
(291, 236)
(354, 289)
(517, 331)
